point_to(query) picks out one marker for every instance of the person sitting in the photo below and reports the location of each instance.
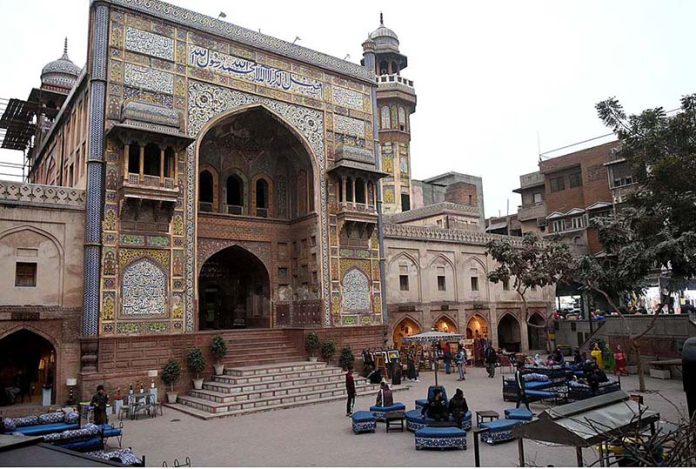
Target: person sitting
(538, 361)
(375, 376)
(558, 356)
(458, 407)
(550, 361)
(436, 408)
(578, 360)
(384, 395)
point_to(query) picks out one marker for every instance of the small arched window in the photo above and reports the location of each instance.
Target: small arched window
(261, 198)
(383, 68)
(385, 118)
(205, 187)
(235, 191)
(402, 119)
(360, 195)
(349, 190)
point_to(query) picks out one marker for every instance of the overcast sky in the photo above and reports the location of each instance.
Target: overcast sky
(490, 75)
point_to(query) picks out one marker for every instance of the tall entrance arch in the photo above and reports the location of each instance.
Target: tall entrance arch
(445, 324)
(233, 291)
(536, 335)
(509, 337)
(28, 364)
(477, 328)
(407, 327)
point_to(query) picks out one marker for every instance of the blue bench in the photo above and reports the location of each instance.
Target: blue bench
(364, 422)
(83, 445)
(499, 430)
(38, 425)
(380, 411)
(420, 403)
(109, 431)
(415, 420)
(126, 456)
(535, 395)
(440, 438)
(85, 438)
(39, 430)
(519, 414)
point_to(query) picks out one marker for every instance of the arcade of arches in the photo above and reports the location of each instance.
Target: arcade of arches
(27, 364)
(405, 328)
(445, 324)
(257, 186)
(477, 327)
(509, 337)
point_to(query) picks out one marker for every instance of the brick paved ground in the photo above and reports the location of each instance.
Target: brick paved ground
(320, 435)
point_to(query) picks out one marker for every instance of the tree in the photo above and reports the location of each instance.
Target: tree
(533, 264)
(654, 231)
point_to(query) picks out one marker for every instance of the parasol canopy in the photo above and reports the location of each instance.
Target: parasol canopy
(432, 336)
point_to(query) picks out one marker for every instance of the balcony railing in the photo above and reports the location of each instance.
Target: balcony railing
(357, 207)
(157, 182)
(395, 79)
(531, 211)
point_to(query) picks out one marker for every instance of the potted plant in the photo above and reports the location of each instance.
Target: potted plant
(218, 347)
(170, 375)
(312, 345)
(196, 365)
(328, 350)
(347, 358)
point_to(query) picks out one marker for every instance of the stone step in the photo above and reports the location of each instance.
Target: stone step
(278, 378)
(217, 407)
(278, 354)
(218, 394)
(255, 361)
(210, 415)
(272, 368)
(238, 348)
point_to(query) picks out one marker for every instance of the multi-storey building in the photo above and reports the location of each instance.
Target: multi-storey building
(532, 213)
(194, 178)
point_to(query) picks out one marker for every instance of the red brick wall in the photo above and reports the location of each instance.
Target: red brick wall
(459, 193)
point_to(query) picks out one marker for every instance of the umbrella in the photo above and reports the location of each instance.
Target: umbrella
(432, 337)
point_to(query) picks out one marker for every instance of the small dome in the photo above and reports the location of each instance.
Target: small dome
(61, 73)
(384, 37)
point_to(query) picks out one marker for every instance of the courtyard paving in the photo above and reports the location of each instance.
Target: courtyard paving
(321, 435)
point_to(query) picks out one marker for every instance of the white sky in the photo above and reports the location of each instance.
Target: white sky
(489, 74)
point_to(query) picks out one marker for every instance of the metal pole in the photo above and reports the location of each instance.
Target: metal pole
(477, 459)
(578, 453)
(520, 450)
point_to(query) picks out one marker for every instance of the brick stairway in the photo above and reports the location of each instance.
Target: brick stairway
(260, 347)
(257, 388)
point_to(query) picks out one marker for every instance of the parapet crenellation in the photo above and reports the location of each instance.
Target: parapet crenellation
(19, 193)
(444, 235)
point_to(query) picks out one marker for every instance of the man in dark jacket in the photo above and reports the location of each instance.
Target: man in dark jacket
(519, 381)
(458, 407)
(491, 358)
(99, 402)
(350, 389)
(384, 396)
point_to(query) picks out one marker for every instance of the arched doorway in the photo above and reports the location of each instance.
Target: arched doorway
(445, 324)
(536, 335)
(477, 328)
(509, 333)
(407, 327)
(233, 291)
(27, 366)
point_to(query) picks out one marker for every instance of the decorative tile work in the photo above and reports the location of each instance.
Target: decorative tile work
(149, 79)
(132, 240)
(173, 14)
(35, 194)
(144, 289)
(128, 328)
(248, 70)
(126, 256)
(347, 98)
(207, 101)
(149, 44)
(349, 126)
(158, 241)
(108, 306)
(356, 291)
(149, 97)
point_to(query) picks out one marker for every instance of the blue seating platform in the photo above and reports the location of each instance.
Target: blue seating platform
(380, 411)
(415, 420)
(499, 430)
(363, 422)
(519, 414)
(440, 438)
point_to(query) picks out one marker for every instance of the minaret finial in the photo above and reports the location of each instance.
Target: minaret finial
(381, 19)
(65, 47)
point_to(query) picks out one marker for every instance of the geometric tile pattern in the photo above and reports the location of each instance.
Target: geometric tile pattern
(144, 289)
(356, 291)
(150, 44)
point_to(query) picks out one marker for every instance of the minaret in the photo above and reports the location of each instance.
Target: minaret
(396, 101)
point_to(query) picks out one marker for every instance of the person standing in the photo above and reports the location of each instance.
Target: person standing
(620, 361)
(460, 361)
(596, 354)
(519, 381)
(350, 390)
(491, 358)
(447, 355)
(99, 402)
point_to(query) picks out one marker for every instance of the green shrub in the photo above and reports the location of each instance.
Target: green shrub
(171, 373)
(218, 347)
(312, 344)
(328, 350)
(347, 358)
(195, 361)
